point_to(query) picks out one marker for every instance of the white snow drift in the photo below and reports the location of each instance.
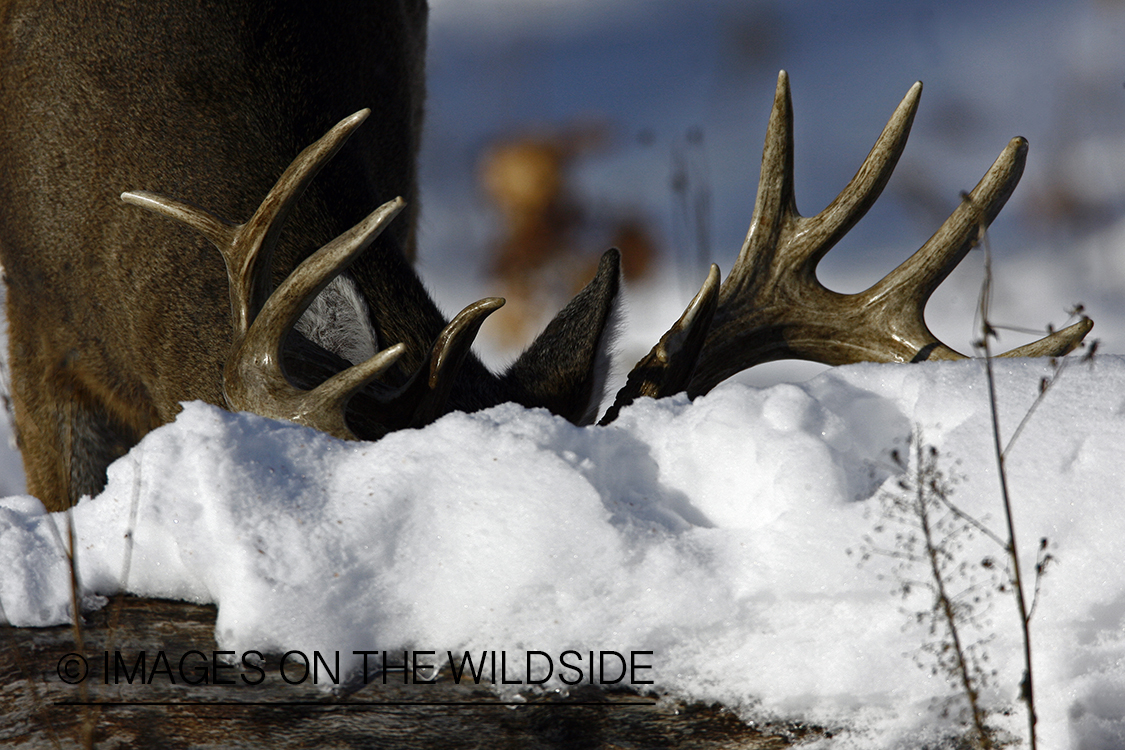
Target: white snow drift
(724, 536)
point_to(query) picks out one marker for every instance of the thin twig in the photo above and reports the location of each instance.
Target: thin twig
(1044, 386)
(1043, 559)
(972, 521)
(130, 532)
(945, 602)
(86, 729)
(1027, 692)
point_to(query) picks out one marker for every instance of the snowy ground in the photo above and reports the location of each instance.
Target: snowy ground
(715, 534)
(725, 536)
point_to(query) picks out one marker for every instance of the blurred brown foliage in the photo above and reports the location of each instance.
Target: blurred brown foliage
(550, 237)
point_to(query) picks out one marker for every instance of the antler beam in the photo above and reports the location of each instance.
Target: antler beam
(255, 377)
(772, 306)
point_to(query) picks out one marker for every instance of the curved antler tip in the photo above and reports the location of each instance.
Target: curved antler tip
(909, 105)
(159, 204)
(782, 80)
(1057, 344)
(450, 349)
(343, 129)
(484, 307)
(355, 118)
(706, 297)
(1015, 153)
(392, 207)
(138, 197)
(714, 276)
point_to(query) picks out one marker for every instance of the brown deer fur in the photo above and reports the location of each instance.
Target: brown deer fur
(116, 316)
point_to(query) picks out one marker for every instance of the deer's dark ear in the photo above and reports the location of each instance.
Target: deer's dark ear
(566, 368)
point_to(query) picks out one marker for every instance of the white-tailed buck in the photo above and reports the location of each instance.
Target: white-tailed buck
(117, 315)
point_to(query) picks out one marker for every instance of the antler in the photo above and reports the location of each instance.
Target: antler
(255, 377)
(772, 306)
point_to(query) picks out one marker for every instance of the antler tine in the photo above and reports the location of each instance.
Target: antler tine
(248, 247)
(254, 378)
(424, 398)
(258, 237)
(217, 229)
(915, 280)
(292, 297)
(667, 369)
(820, 233)
(894, 326)
(772, 306)
(901, 295)
(1056, 344)
(324, 407)
(775, 204)
(776, 198)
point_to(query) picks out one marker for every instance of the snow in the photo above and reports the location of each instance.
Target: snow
(725, 536)
(728, 535)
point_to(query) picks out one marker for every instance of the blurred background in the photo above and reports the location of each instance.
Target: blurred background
(557, 128)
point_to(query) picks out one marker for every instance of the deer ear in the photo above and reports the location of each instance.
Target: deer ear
(566, 368)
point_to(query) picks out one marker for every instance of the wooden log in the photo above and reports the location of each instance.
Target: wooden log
(106, 710)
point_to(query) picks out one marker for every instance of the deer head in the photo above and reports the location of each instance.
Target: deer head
(116, 318)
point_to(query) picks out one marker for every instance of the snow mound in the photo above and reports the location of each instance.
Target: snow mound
(724, 536)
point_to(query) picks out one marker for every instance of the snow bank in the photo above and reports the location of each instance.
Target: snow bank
(724, 536)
